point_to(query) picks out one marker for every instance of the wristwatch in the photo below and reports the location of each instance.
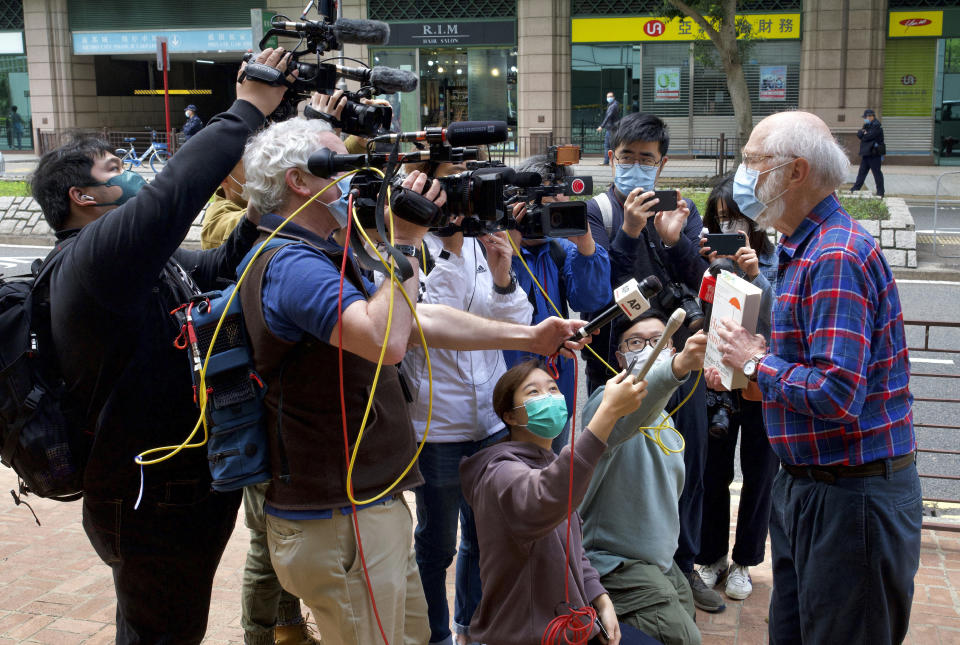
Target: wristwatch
(510, 288)
(750, 368)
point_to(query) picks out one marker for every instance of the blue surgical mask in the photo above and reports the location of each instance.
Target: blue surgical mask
(745, 190)
(339, 208)
(546, 415)
(633, 176)
(609, 99)
(129, 181)
(866, 121)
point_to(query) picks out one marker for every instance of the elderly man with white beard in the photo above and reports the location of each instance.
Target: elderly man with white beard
(845, 522)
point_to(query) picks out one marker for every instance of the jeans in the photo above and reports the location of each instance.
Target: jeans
(263, 602)
(439, 503)
(164, 556)
(606, 146)
(871, 163)
(760, 465)
(844, 558)
(691, 422)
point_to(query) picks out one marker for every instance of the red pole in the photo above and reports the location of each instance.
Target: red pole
(166, 93)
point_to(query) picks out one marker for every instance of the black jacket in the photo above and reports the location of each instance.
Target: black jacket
(612, 117)
(126, 383)
(871, 136)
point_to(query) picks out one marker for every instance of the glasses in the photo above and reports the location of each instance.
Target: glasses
(637, 343)
(628, 160)
(753, 160)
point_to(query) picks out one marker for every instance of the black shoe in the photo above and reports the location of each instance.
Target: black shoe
(703, 597)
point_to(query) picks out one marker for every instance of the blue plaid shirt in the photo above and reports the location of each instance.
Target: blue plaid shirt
(836, 383)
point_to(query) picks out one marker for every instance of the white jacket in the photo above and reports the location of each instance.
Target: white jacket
(463, 381)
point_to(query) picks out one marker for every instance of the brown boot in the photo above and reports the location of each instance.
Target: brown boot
(299, 634)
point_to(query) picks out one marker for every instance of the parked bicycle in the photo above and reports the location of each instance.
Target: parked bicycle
(156, 155)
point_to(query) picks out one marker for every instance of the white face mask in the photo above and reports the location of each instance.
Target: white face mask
(734, 225)
(644, 354)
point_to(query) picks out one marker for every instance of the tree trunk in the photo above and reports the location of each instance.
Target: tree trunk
(740, 96)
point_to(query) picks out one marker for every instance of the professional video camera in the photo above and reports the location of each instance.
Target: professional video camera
(555, 219)
(478, 194)
(317, 75)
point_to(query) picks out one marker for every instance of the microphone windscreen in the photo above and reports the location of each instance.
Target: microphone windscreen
(390, 80)
(361, 32)
(476, 133)
(527, 179)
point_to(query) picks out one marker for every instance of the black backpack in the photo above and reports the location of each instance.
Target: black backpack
(46, 450)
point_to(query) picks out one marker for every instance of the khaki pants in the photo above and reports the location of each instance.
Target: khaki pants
(318, 561)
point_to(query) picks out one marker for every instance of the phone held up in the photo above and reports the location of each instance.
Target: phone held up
(668, 200)
(725, 243)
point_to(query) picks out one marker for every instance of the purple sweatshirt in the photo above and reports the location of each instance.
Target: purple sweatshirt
(518, 493)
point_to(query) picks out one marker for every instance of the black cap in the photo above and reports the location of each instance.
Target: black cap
(869, 112)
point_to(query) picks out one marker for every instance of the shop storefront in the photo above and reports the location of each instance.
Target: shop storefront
(16, 124)
(455, 59)
(670, 68)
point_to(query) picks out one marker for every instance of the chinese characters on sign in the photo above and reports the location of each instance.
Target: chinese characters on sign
(773, 26)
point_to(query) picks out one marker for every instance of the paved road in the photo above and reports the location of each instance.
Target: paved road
(921, 300)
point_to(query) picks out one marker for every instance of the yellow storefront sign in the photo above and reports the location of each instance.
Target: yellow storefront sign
(907, 24)
(774, 26)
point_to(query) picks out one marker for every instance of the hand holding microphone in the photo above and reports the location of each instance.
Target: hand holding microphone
(630, 299)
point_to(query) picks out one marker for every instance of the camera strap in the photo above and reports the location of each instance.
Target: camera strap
(310, 113)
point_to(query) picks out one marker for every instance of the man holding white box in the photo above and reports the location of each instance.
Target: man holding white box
(837, 405)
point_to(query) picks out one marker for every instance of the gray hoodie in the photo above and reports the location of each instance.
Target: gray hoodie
(519, 494)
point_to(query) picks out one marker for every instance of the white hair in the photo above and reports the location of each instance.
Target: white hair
(271, 153)
(828, 161)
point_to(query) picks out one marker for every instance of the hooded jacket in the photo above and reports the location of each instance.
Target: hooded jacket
(518, 493)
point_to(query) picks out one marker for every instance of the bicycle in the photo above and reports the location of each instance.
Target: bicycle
(156, 155)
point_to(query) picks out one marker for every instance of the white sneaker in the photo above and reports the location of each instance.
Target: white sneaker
(711, 573)
(739, 585)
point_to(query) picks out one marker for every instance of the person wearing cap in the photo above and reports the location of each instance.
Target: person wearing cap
(193, 124)
(872, 150)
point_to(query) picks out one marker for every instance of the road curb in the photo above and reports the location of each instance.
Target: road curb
(929, 272)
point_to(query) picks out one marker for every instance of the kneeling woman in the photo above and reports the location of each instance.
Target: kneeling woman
(519, 491)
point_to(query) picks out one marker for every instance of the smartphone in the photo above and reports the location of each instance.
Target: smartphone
(668, 200)
(726, 243)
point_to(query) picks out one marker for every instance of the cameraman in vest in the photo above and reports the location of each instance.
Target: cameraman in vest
(291, 301)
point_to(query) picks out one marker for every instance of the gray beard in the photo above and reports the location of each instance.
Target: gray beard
(771, 190)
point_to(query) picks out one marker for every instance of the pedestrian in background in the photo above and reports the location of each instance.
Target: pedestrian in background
(872, 150)
(610, 121)
(193, 124)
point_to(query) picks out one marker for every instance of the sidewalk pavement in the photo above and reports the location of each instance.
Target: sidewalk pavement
(55, 590)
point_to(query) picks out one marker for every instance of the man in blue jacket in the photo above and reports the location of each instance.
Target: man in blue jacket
(642, 242)
(575, 272)
(610, 120)
(160, 528)
(194, 124)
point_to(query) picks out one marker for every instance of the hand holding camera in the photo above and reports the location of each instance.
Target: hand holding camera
(261, 95)
(405, 231)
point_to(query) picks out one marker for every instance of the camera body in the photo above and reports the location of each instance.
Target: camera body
(555, 219)
(677, 294)
(720, 405)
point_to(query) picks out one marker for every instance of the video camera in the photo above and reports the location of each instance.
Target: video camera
(318, 37)
(555, 219)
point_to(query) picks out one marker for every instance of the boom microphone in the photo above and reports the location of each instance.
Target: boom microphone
(476, 133)
(361, 32)
(673, 324)
(630, 298)
(386, 79)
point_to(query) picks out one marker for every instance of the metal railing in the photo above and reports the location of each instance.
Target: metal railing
(47, 140)
(937, 201)
(517, 149)
(919, 390)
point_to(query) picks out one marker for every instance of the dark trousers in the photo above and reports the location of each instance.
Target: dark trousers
(871, 163)
(440, 503)
(759, 465)
(164, 556)
(606, 146)
(844, 558)
(691, 422)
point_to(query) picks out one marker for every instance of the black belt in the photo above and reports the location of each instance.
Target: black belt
(830, 474)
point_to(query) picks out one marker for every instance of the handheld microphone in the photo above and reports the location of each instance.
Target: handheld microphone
(673, 324)
(707, 287)
(630, 298)
(386, 79)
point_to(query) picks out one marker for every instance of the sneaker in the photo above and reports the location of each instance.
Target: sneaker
(711, 574)
(739, 585)
(297, 634)
(703, 597)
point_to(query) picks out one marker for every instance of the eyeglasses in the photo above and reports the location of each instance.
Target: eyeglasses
(637, 343)
(628, 160)
(752, 160)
